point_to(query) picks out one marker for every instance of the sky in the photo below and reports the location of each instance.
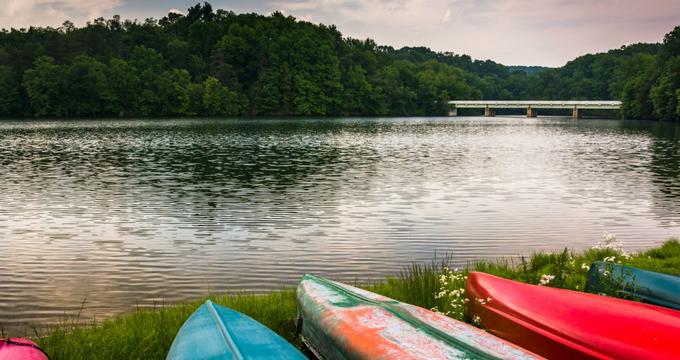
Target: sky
(512, 32)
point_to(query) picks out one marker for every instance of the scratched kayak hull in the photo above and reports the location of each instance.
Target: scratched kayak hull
(20, 349)
(342, 322)
(647, 286)
(216, 332)
(564, 324)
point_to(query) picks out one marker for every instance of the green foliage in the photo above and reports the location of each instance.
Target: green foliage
(218, 100)
(148, 333)
(123, 83)
(85, 85)
(276, 65)
(45, 87)
(664, 92)
(9, 92)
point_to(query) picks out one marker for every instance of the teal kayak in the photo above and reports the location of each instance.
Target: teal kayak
(646, 286)
(216, 332)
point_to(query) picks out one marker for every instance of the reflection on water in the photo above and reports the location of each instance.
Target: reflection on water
(127, 213)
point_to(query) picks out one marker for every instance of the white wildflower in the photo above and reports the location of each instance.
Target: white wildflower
(546, 279)
(476, 320)
(585, 266)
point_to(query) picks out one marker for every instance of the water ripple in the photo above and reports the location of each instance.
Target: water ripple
(119, 214)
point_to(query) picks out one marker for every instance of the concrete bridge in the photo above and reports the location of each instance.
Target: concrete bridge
(490, 106)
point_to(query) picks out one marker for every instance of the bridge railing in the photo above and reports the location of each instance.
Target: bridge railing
(490, 106)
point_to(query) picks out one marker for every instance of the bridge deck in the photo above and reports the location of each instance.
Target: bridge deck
(542, 104)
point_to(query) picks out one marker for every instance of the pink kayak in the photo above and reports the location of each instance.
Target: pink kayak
(20, 349)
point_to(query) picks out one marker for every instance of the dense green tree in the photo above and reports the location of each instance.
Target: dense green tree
(122, 90)
(218, 100)
(173, 90)
(357, 91)
(85, 86)
(9, 92)
(664, 92)
(221, 63)
(45, 86)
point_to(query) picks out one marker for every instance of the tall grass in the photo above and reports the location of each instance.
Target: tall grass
(148, 333)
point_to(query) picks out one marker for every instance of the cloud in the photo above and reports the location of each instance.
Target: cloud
(549, 32)
(447, 16)
(24, 13)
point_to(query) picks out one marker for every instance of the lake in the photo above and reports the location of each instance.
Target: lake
(109, 215)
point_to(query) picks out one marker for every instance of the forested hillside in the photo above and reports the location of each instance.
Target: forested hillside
(218, 63)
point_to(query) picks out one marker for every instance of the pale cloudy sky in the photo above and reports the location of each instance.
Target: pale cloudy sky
(545, 32)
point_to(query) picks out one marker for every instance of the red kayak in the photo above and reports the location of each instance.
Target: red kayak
(20, 349)
(565, 324)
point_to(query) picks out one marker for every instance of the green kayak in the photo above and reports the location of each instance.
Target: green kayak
(340, 322)
(646, 286)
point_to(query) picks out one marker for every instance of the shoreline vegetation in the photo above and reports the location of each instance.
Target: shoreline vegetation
(148, 333)
(218, 63)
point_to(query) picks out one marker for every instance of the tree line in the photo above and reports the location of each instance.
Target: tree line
(218, 63)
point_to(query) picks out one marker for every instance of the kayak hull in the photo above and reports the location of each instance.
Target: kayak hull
(342, 322)
(564, 324)
(646, 286)
(20, 349)
(216, 332)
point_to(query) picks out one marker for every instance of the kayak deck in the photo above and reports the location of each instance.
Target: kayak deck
(343, 322)
(216, 332)
(565, 324)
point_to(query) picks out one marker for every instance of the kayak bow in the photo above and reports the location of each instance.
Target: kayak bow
(216, 332)
(565, 324)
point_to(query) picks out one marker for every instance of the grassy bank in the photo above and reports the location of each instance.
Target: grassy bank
(148, 334)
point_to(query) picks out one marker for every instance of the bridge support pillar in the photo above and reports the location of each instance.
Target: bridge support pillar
(453, 112)
(576, 114)
(531, 113)
(489, 112)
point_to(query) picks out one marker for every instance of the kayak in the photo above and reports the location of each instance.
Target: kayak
(338, 321)
(21, 349)
(646, 286)
(216, 332)
(565, 324)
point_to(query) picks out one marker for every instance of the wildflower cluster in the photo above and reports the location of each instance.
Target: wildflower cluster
(546, 279)
(452, 293)
(609, 242)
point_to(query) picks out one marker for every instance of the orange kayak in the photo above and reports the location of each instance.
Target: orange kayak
(342, 322)
(565, 324)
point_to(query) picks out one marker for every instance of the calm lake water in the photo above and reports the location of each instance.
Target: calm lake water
(126, 213)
